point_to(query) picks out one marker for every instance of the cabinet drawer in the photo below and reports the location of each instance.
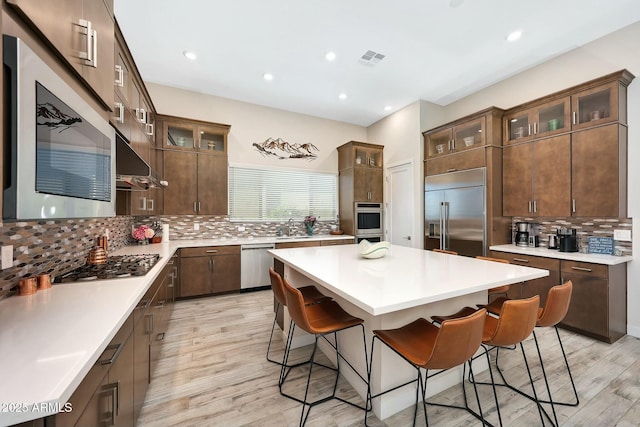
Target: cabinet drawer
(529, 260)
(588, 269)
(335, 242)
(308, 243)
(469, 159)
(209, 250)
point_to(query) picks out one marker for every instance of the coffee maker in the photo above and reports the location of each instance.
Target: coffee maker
(522, 234)
(568, 240)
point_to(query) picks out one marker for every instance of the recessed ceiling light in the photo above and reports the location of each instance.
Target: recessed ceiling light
(387, 108)
(268, 76)
(515, 35)
(342, 96)
(455, 3)
(190, 55)
(330, 56)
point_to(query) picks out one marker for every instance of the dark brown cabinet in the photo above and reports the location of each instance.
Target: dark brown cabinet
(82, 32)
(598, 301)
(537, 178)
(209, 270)
(195, 165)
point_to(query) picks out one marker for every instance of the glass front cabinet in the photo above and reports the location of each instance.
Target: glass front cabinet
(463, 136)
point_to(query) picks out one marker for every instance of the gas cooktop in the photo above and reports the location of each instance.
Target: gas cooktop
(116, 267)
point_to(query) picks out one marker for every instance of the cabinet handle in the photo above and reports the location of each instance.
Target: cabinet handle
(575, 118)
(160, 304)
(529, 129)
(114, 356)
(210, 264)
(588, 270)
(453, 144)
(141, 115)
(535, 128)
(212, 251)
(521, 260)
(115, 405)
(198, 206)
(573, 205)
(143, 204)
(149, 330)
(160, 336)
(120, 116)
(150, 205)
(195, 206)
(530, 206)
(149, 129)
(90, 56)
(120, 79)
(535, 206)
(452, 170)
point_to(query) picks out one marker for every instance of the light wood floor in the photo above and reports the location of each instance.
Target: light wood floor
(213, 372)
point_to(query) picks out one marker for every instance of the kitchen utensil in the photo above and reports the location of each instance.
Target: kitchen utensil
(97, 255)
(553, 242)
(27, 286)
(468, 141)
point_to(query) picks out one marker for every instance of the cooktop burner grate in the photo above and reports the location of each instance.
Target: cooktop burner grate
(116, 267)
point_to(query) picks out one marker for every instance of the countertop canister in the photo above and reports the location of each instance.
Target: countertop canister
(165, 233)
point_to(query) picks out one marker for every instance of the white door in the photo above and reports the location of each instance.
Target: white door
(400, 205)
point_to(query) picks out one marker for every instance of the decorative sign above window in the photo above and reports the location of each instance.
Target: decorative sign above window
(284, 150)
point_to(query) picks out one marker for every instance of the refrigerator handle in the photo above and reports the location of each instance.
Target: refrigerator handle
(444, 224)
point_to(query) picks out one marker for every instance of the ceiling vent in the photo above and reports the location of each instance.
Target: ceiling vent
(371, 58)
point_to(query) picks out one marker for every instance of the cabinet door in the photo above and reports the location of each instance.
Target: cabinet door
(212, 185)
(469, 135)
(141, 374)
(595, 183)
(100, 409)
(122, 80)
(121, 377)
(376, 185)
(552, 117)
(552, 176)
(360, 184)
(179, 135)
(470, 159)
(438, 143)
(196, 274)
(180, 170)
(517, 180)
(212, 140)
(518, 127)
(100, 76)
(595, 106)
(226, 273)
(588, 310)
(122, 118)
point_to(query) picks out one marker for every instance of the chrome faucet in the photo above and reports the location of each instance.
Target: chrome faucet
(289, 226)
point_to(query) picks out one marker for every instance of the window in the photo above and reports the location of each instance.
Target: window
(277, 195)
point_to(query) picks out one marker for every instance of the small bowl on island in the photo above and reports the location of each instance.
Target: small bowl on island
(373, 250)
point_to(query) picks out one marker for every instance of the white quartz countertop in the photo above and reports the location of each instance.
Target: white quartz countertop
(570, 256)
(50, 340)
(404, 278)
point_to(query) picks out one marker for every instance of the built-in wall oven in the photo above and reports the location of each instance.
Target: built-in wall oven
(369, 222)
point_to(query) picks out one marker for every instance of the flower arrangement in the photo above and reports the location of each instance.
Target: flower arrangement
(310, 222)
(143, 233)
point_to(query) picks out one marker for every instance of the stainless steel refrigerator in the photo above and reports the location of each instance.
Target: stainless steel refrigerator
(455, 211)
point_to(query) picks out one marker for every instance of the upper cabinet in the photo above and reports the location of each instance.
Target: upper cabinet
(460, 137)
(361, 171)
(208, 138)
(82, 32)
(583, 171)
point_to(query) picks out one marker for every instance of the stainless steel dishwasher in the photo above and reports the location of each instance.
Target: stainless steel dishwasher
(255, 262)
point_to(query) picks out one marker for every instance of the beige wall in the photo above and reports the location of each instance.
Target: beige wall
(254, 123)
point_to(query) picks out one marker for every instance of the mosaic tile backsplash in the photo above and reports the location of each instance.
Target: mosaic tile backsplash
(57, 246)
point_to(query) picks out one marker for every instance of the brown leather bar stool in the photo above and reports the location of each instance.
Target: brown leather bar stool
(310, 294)
(425, 346)
(445, 251)
(319, 320)
(498, 290)
(514, 325)
(555, 309)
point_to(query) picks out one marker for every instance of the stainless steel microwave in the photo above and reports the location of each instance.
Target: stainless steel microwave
(368, 219)
(59, 151)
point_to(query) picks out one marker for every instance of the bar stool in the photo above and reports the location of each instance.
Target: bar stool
(445, 251)
(425, 346)
(515, 323)
(555, 309)
(498, 290)
(320, 320)
(310, 294)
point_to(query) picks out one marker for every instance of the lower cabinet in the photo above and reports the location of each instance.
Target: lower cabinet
(209, 270)
(599, 299)
(539, 286)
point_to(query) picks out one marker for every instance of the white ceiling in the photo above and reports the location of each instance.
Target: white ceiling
(433, 50)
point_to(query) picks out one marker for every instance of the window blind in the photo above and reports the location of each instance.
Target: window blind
(277, 195)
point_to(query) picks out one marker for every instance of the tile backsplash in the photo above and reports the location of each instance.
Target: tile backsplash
(57, 246)
(585, 228)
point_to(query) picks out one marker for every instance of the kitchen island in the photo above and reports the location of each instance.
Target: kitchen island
(389, 292)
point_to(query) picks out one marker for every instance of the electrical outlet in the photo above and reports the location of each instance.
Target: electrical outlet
(241, 228)
(196, 226)
(622, 235)
(7, 256)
